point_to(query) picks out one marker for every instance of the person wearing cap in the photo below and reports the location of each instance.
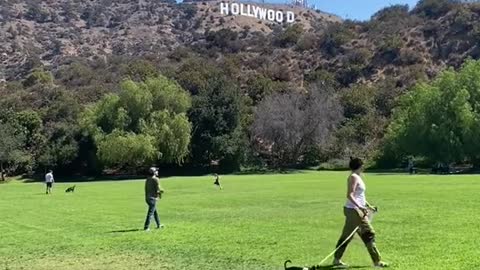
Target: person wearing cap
(153, 192)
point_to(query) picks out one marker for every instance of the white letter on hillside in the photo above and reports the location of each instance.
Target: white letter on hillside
(279, 16)
(290, 17)
(249, 11)
(242, 12)
(271, 15)
(224, 8)
(255, 11)
(235, 9)
(263, 14)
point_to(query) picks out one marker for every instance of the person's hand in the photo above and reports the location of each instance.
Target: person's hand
(373, 208)
(364, 211)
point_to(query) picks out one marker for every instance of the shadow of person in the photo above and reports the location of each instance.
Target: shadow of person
(318, 267)
(125, 231)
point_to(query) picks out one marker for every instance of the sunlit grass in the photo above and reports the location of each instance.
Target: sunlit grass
(256, 222)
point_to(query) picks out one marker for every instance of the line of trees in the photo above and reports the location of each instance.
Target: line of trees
(129, 116)
(194, 120)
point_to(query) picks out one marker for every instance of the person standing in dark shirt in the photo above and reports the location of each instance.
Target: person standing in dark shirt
(153, 192)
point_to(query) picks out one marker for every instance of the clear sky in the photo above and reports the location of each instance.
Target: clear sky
(354, 9)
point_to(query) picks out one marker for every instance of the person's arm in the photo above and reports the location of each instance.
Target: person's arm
(159, 188)
(352, 186)
(371, 207)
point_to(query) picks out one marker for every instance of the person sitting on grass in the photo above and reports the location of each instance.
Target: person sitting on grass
(356, 212)
(49, 181)
(153, 192)
(217, 181)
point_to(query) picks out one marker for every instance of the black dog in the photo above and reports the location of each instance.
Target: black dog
(294, 267)
(70, 189)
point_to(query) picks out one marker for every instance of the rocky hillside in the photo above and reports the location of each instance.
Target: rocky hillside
(51, 31)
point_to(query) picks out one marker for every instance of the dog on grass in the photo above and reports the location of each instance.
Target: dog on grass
(294, 267)
(70, 189)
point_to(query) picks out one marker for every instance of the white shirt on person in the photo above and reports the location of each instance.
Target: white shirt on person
(49, 178)
(359, 194)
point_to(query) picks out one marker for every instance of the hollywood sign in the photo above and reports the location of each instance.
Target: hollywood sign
(257, 12)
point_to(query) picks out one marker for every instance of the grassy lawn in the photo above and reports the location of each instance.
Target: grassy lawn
(256, 222)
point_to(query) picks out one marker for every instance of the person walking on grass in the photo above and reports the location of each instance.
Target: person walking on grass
(153, 192)
(356, 212)
(49, 180)
(217, 181)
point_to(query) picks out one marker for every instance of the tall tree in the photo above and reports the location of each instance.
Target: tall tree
(11, 147)
(439, 120)
(287, 125)
(216, 116)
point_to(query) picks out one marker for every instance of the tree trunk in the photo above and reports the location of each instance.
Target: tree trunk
(2, 172)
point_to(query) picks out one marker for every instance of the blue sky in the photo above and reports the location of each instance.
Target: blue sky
(357, 9)
(354, 9)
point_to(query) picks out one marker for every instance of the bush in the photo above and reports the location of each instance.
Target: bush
(334, 164)
(224, 39)
(307, 41)
(289, 36)
(434, 8)
(189, 11)
(409, 57)
(360, 56)
(334, 37)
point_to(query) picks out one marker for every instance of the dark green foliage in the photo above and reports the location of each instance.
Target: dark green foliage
(140, 70)
(11, 147)
(434, 8)
(216, 116)
(224, 39)
(36, 13)
(290, 36)
(189, 10)
(334, 37)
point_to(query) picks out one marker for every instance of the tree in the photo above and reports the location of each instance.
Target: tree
(439, 120)
(11, 147)
(216, 117)
(136, 149)
(287, 125)
(148, 119)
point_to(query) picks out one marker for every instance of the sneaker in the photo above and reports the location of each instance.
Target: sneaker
(161, 226)
(381, 265)
(339, 264)
(147, 229)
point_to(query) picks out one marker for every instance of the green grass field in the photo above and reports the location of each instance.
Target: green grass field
(256, 222)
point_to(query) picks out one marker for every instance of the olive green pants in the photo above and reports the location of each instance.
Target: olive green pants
(353, 219)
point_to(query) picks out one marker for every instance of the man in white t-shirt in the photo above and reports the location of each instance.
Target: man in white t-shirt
(49, 181)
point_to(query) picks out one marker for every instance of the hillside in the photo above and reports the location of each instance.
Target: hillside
(54, 30)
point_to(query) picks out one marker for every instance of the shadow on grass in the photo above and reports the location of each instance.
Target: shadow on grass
(324, 267)
(126, 231)
(40, 179)
(268, 172)
(336, 267)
